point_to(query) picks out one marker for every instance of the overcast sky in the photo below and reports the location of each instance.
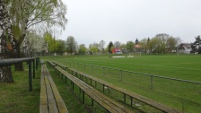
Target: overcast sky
(91, 21)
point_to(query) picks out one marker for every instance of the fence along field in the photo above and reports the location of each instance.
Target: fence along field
(180, 94)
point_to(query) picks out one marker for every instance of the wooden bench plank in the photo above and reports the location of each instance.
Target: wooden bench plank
(50, 99)
(43, 109)
(60, 103)
(43, 97)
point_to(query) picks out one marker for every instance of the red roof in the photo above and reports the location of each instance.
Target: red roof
(138, 46)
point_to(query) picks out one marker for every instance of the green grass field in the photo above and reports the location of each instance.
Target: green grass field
(180, 95)
(16, 97)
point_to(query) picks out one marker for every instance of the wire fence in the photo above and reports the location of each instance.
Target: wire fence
(181, 94)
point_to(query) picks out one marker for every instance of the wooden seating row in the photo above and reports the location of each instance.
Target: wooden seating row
(50, 99)
(125, 92)
(85, 89)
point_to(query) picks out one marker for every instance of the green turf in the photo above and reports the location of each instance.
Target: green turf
(16, 98)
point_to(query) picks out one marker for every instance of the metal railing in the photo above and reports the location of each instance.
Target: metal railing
(32, 61)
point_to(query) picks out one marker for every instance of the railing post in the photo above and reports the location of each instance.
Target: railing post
(78, 65)
(34, 66)
(83, 97)
(92, 69)
(37, 62)
(124, 97)
(30, 76)
(103, 71)
(151, 81)
(121, 75)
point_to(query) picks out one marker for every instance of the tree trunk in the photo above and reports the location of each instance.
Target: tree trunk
(6, 71)
(7, 42)
(18, 66)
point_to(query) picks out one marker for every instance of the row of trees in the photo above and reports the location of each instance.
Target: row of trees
(18, 18)
(161, 43)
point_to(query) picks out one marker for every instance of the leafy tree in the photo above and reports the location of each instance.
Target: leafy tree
(123, 48)
(171, 44)
(82, 49)
(110, 47)
(101, 45)
(117, 44)
(36, 15)
(196, 46)
(60, 46)
(94, 47)
(37, 43)
(50, 41)
(162, 43)
(143, 44)
(71, 44)
(130, 46)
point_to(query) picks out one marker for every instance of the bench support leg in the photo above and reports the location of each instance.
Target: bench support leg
(124, 98)
(92, 102)
(95, 84)
(131, 101)
(65, 79)
(83, 96)
(80, 90)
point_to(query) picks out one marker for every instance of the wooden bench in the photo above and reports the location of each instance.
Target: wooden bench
(109, 104)
(50, 99)
(125, 92)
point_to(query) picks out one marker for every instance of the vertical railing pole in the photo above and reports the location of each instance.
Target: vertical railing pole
(151, 81)
(103, 71)
(92, 69)
(37, 61)
(34, 68)
(121, 75)
(78, 65)
(30, 76)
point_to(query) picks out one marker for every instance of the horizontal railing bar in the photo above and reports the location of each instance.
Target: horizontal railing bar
(10, 61)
